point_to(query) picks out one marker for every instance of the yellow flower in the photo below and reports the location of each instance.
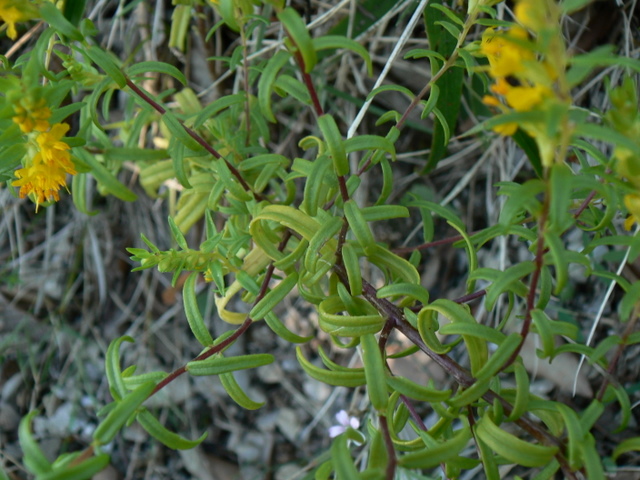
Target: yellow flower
(46, 172)
(32, 117)
(52, 148)
(505, 56)
(11, 14)
(632, 202)
(42, 180)
(524, 98)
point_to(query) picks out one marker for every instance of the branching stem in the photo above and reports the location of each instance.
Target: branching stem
(201, 141)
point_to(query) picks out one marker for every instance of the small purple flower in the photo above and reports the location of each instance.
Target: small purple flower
(344, 422)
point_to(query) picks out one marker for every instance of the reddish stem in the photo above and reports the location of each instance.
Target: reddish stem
(306, 77)
(201, 141)
(392, 461)
(212, 351)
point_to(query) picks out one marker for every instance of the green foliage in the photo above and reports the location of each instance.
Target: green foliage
(296, 225)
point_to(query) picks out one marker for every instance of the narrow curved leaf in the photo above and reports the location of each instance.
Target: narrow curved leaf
(192, 312)
(164, 435)
(106, 179)
(119, 415)
(359, 226)
(432, 456)
(274, 297)
(299, 34)
(335, 144)
(57, 20)
(83, 471)
(112, 368)
(341, 458)
(417, 392)
(511, 447)
(142, 68)
(342, 379)
(351, 264)
(236, 393)
(33, 456)
(217, 364)
(374, 371)
(267, 80)
(339, 42)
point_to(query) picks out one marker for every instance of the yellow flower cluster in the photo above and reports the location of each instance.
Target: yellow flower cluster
(45, 172)
(523, 81)
(11, 12)
(32, 115)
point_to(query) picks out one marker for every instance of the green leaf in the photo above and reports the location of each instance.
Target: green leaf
(436, 453)
(398, 266)
(505, 281)
(216, 364)
(450, 14)
(142, 68)
(298, 33)
(499, 358)
(412, 390)
(351, 264)
(449, 85)
(520, 405)
(483, 332)
(106, 179)
(628, 445)
(106, 62)
(180, 20)
(120, 414)
(387, 182)
(236, 393)
(274, 297)
(512, 448)
(267, 80)
(351, 379)
(370, 142)
(410, 290)
(335, 144)
(606, 134)
(575, 434)
(165, 436)
(112, 368)
(390, 88)
(288, 86)
(332, 321)
(57, 20)
(467, 396)
(559, 259)
(560, 218)
(79, 193)
(341, 459)
(179, 132)
(431, 102)
(191, 310)
(374, 370)
(456, 313)
(530, 148)
(218, 105)
(83, 471)
(282, 331)
(73, 11)
(315, 186)
(359, 226)
(33, 457)
(339, 42)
